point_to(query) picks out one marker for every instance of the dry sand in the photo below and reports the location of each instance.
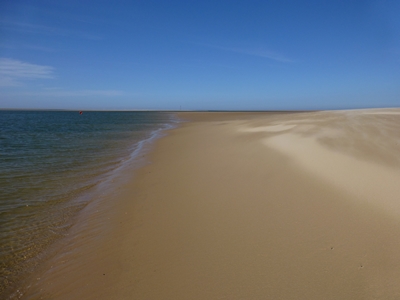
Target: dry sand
(246, 206)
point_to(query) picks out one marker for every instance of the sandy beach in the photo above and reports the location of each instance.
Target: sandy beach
(293, 205)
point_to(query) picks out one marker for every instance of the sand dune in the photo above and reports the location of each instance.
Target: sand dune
(247, 206)
(366, 180)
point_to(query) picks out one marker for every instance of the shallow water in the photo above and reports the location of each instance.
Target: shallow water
(50, 162)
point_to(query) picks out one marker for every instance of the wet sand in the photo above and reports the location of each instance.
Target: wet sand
(245, 206)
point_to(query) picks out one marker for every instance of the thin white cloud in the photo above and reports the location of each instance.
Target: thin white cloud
(260, 52)
(80, 93)
(38, 48)
(58, 92)
(47, 30)
(28, 27)
(13, 72)
(14, 46)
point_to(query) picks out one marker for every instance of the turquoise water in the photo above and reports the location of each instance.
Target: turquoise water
(49, 164)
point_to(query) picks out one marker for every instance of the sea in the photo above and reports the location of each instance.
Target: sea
(50, 164)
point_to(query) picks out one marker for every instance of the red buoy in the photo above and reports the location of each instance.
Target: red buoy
(80, 112)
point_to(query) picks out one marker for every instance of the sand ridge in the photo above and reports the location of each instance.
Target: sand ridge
(366, 180)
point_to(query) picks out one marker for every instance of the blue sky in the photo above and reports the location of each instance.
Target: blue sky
(234, 55)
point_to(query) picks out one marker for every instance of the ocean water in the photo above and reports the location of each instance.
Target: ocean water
(50, 161)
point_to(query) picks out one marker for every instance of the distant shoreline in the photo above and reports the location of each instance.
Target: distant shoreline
(200, 110)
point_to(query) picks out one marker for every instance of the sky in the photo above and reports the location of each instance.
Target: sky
(199, 55)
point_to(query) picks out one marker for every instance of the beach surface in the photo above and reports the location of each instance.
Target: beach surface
(302, 205)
